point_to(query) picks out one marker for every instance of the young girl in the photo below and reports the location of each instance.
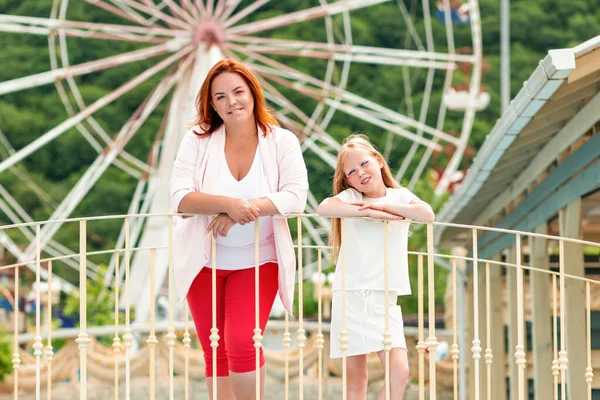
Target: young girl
(364, 187)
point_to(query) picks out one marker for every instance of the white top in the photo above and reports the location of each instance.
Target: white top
(236, 250)
(362, 246)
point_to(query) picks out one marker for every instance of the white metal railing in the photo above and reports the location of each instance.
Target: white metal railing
(43, 356)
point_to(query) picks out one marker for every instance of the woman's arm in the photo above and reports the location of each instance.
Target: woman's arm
(293, 180)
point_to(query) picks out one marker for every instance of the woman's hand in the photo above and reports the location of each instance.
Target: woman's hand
(220, 225)
(242, 211)
(377, 211)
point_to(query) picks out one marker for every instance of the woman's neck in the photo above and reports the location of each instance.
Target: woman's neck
(241, 131)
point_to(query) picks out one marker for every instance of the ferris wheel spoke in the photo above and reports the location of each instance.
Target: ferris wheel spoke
(154, 11)
(304, 15)
(176, 9)
(104, 101)
(300, 82)
(189, 7)
(135, 16)
(407, 159)
(410, 24)
(343, 52)
(150, 10)
(229, 8)
(118, 11)
(245, 12)
(44, 26)
(105, 159)
(200, 6)
(48, 77)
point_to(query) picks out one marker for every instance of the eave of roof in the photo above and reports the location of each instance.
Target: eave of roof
(485, 178)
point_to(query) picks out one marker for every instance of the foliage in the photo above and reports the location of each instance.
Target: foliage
(100, 307)
(5, 356)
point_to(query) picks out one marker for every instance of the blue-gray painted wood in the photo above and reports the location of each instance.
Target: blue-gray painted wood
(577, 187)
(582, 157)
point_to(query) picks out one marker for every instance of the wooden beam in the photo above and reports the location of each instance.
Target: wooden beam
(570, 226)
(541, 317)
(585, 66)
(498, 313)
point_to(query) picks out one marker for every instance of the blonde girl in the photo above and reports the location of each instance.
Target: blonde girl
(363, 186)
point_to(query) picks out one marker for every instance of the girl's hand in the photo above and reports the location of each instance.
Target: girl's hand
(242, 211)
(372, 206)
(220, 225)
(377, 210)
(377, 214)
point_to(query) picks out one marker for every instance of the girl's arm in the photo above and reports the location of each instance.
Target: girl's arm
(416, 210)
(334, 207)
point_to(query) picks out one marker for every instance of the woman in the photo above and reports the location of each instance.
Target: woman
(237, 164)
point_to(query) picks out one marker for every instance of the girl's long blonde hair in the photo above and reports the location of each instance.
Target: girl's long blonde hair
(356, 142)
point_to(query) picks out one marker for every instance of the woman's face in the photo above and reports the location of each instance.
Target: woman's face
(232, 99)
(363, 173)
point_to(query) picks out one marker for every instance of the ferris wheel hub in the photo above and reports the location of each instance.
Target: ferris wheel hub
(210, 32)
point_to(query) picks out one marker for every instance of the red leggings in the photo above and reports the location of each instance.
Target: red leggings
(236, 318)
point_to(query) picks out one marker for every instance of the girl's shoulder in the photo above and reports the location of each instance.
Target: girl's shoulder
(401, 195)
(350, 195)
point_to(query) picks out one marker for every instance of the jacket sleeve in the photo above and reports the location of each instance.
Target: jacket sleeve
(184, 170)
(293, 179)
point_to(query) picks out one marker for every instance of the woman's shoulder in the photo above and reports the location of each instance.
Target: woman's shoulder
(282, 136)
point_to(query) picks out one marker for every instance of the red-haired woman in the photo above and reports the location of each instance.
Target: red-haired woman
(237, 164)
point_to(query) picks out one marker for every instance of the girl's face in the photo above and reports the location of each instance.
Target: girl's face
(363, 173)
(232, 99)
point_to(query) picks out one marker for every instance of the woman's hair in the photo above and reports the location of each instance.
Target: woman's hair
(207, 115)
(357, 142)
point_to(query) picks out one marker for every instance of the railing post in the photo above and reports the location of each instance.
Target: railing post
(301, 337)
(488, 332)
(82, 339)
(476, 349)
(320, 340)
(151, 340)
(343, 333)
(49, 353)
(116, 342)
(589, 371)
(127, 336)
(555, 366)
(37, 340)
(214, 331)
(432, 342)
(421, 346)
(171, 336)
(520, 348)
(257, 331)
(563, 361)
(387, 337)
(16, 357)
(455, 348)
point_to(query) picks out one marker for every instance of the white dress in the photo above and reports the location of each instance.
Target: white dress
(363, 244)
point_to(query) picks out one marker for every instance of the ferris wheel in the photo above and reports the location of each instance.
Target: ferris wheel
(314, 83)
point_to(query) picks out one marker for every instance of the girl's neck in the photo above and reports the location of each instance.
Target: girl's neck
(241, 131)
(377, 193)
